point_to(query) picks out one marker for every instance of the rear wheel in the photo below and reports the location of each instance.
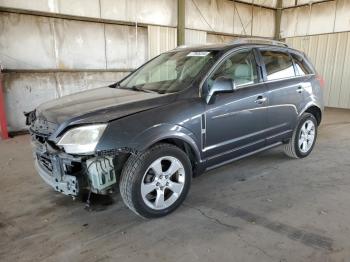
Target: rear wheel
(304, 137)
(155, 182)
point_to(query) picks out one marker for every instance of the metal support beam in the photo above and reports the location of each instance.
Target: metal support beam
(3, 121)
(180, 22)
(278, 19)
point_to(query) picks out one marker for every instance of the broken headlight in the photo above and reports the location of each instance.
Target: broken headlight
(82, 140)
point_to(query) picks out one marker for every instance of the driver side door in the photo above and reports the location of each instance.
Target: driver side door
(236, 122)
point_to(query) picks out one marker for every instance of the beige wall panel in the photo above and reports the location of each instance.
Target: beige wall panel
(289, 22)
(295, 21)
(242, 19)
(322, 18)
(267, 3)
(161, 39)
(338, 68)
(312, 51)
(219, 39)
(198, 19)
(226, 15)
(321, 53)
(26, 42)
(329, 65)
(124, 48)
(37, 5)
(329, 54)
(344, 96)
(160, 12)
(223, 16)
(195, 37)
(87, 8)
(302, 2)
(263, 22)
(26, 91)
(79, 44)
(216, 15)
(342, 21)
(288, 3)
(303, 21)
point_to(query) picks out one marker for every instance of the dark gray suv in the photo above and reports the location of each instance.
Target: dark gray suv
(184, 112)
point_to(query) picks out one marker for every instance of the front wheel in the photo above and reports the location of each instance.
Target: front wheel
(155, 182)
(304, 137)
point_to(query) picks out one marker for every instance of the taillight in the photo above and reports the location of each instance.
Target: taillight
(321, 80)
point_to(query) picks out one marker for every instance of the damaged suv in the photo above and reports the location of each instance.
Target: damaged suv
(184, 112)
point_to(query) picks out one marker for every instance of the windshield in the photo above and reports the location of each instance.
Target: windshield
(169, 72)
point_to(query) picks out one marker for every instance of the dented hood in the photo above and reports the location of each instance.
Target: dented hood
(99, 105)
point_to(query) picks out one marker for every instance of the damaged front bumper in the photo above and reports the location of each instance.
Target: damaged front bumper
(66, 173)
(62, 172)
(70, 175)
(65, 184)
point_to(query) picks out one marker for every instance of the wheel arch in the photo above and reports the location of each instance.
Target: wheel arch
(316, 112)
(186, 147)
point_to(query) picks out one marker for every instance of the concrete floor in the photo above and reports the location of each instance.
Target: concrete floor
(263, 208)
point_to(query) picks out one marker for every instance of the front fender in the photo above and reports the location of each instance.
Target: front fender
(161, 132)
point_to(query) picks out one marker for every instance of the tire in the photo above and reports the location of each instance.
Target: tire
(293, 149)
(153, 168)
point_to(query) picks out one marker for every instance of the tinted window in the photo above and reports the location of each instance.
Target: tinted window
(240, 67)
(301, 67)
(278, 65)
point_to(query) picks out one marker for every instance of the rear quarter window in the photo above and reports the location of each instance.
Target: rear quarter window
(301, 66)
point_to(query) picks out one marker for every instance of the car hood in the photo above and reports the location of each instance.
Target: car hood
(99, 105)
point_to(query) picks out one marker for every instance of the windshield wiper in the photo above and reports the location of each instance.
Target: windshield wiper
(137, 88)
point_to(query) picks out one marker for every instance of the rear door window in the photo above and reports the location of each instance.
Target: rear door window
(301, 66)
(278, 64)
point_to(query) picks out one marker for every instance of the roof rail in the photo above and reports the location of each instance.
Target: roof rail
(258, 41)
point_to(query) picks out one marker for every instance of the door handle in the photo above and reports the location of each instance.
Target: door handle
(260, 100)
(300, 89)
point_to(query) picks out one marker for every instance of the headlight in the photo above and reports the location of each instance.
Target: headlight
(82, 140)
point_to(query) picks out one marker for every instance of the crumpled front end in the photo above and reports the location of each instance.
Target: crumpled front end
(65, 173)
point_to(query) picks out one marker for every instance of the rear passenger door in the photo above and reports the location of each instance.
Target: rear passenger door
(285, 93)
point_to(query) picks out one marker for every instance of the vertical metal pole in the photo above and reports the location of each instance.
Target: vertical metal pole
(278, 20)
(3, 121)
(180, 22)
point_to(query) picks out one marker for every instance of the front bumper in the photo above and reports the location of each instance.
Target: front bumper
(66, 184)
(61, 171)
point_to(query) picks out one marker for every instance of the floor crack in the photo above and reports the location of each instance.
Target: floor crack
(217, 221)
(211, 218)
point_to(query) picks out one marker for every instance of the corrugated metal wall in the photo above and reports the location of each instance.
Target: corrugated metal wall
(161, 39)
(330, 54)
(220, 39)
(318, 18)
(321, 30)
(25, 90)
(230, 17)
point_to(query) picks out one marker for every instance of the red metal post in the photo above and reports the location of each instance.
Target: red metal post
(3, 121)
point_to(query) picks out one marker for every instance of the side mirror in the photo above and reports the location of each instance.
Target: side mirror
(221, 85)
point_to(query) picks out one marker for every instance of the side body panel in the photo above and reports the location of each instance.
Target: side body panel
(285, 98)
(235, 123)
(180, 119)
